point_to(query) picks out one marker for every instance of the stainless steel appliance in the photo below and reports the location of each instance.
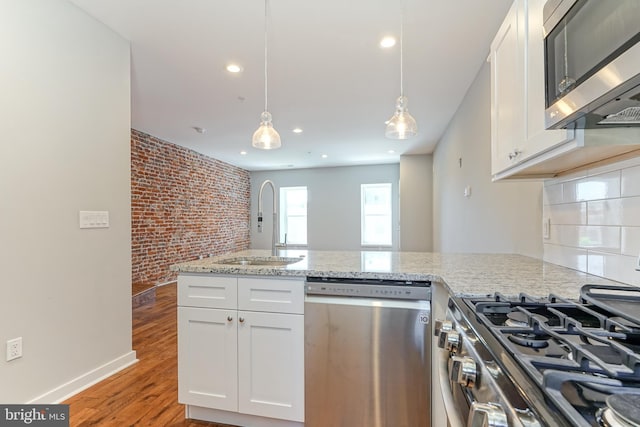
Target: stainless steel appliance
(545, 361)
(592, 63)
(367, 353)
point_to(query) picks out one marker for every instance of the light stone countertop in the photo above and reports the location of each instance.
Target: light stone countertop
(463, 274)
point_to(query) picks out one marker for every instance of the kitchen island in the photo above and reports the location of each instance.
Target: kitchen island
(222, 374)
(461, 274)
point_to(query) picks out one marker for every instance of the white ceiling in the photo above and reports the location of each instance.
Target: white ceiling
(327, 73)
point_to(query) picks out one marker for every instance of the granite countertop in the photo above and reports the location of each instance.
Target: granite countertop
(463, 274)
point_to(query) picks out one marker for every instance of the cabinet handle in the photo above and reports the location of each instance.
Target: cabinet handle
(514, 154)
(229, 318)
(241, 319)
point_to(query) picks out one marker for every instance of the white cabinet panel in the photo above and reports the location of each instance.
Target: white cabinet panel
(271, 365)
(273, 295)
(207, 291)
(507, 87)
(537, 138)
(207, 358)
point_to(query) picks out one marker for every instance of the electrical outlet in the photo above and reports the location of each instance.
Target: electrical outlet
(14, 349)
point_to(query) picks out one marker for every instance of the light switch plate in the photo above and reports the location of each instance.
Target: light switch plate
(546, 228)
(638, 264)
(94, 219)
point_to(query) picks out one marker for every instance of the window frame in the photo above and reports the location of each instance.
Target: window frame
(363, 215)
(284, 216)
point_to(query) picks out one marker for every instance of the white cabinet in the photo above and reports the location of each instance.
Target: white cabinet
(241, 347)
(521, 147)
(208, 358)
(271, 365)
(507, 87)
(517, 91)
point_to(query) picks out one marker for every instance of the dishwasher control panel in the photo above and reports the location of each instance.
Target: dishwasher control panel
(369, 288)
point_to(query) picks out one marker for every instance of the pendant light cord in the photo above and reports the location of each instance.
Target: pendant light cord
(401, 46)
(266, 2)
(566, 58)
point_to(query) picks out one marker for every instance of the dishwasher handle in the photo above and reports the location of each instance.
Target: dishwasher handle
(422, 305)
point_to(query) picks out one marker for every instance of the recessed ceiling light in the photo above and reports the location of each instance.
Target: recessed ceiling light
(391, 151)
(234, 68)
(199, 129)
(324, 156)
(387, 42)
(244, 153)
(297, 130)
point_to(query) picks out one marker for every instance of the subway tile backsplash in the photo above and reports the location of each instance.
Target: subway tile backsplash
(595, 221)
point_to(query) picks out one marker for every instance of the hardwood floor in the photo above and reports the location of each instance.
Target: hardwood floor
(145, 394)
(138, 288)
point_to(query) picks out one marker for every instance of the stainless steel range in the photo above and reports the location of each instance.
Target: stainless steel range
(549, 361)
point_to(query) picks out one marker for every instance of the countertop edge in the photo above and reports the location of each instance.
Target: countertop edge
(463, 275)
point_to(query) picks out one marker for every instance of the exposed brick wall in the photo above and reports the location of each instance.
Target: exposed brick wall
(183, 205)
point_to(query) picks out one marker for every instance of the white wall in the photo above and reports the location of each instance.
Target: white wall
(65, 109)
(502, 217)
(595, 221)
(333, 221)
(416, 200)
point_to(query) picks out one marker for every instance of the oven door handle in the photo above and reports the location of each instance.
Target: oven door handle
(453, 416)
(487, 415)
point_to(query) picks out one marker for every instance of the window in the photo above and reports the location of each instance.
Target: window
(293, 215)
(375, 223)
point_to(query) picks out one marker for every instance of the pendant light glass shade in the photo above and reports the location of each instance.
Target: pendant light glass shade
(402, 125)
(266, 137)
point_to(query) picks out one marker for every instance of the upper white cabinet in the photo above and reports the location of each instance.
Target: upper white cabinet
(520, 145)
(507, 84)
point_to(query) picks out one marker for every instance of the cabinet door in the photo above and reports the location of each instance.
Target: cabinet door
(538, 139)
(207, 358)
(507, 90)
(271, 365)
(200, 290)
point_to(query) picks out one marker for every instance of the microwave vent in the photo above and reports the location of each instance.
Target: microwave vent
(628, 116)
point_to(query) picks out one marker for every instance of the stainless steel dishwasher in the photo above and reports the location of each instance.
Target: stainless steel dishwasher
(367, 353)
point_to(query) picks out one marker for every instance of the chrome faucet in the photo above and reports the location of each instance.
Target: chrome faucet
(274, 238)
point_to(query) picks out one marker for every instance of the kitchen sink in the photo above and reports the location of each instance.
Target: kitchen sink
(273, 261)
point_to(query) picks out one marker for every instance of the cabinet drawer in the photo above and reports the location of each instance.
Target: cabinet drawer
(207, 291)
(271, 295)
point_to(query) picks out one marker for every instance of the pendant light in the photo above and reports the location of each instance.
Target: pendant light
(402, 125)
(266, 137)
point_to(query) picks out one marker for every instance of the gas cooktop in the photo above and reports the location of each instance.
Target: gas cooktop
(584, 355)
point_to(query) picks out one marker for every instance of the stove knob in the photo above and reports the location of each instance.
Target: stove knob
(450, 341)
(487, 415)
(463, 371)
(442, 326)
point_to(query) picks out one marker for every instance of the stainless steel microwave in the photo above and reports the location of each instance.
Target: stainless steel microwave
(592, 63)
